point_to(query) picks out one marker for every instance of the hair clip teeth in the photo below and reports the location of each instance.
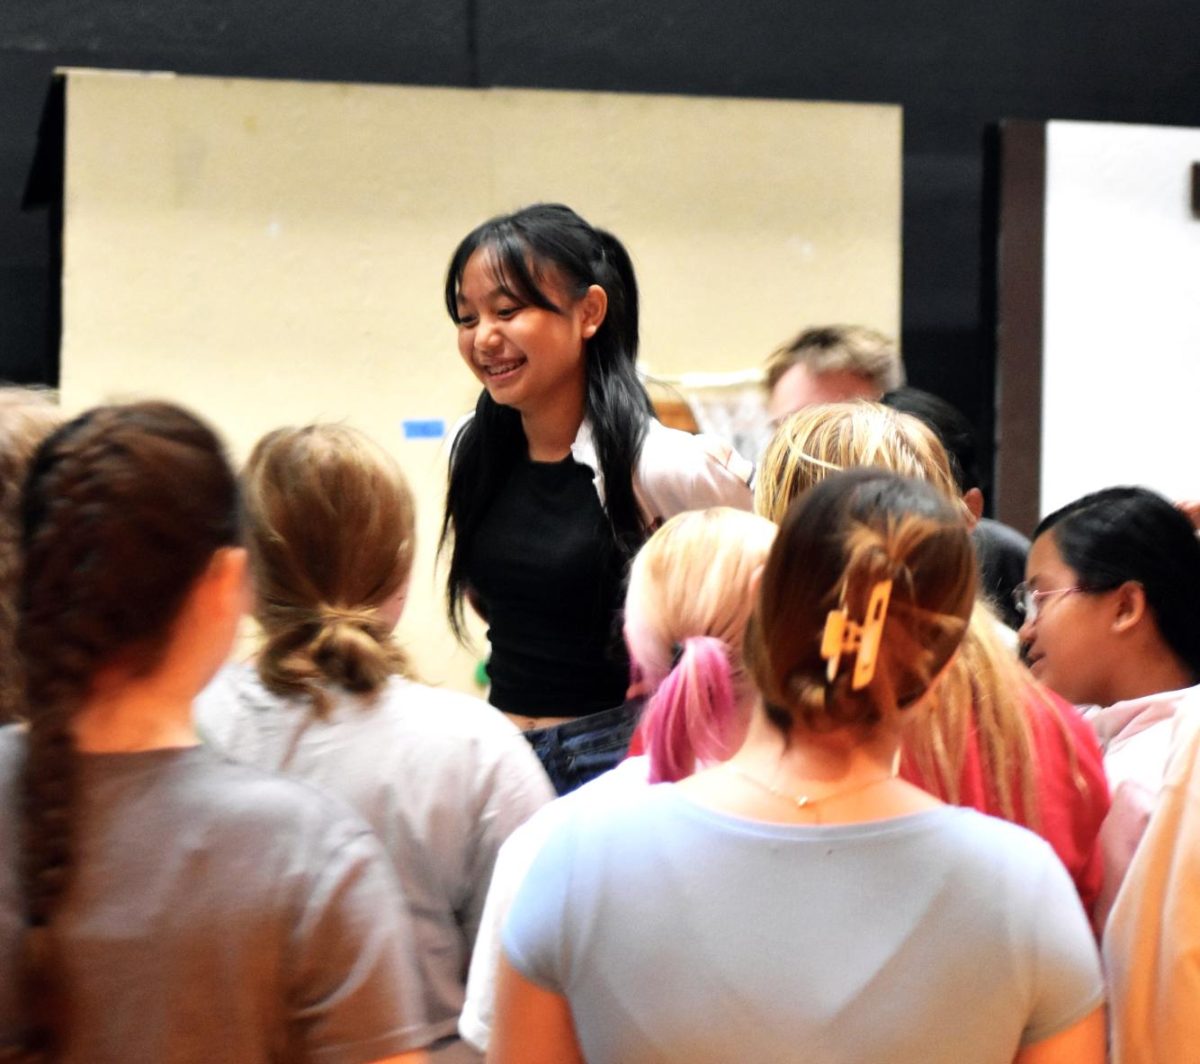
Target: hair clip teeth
(844, 636)
(833, 641)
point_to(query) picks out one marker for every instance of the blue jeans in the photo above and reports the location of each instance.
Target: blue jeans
(582, 749)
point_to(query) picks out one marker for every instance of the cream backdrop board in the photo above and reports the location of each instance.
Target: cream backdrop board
(273, 252)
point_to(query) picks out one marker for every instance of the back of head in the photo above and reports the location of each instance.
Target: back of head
(839, 542)
(124, 509)
(27, 416)
(691, 593)
(331, 530)
(984, 695)
(851, 349)
(819, 441)
(1126, 534)
(951, 427)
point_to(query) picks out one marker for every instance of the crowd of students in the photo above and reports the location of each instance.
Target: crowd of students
(816, 800)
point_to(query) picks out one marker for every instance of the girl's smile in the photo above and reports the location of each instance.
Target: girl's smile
(501, 371)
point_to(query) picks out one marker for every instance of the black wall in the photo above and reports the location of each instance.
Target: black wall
(954, 65)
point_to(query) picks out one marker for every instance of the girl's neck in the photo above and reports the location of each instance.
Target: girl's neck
(842, 777)
(1151, 675)
(551, 428)
(820, 760)
(136, 714)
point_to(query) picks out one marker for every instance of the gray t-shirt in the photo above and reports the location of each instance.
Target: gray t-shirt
(680, 934)
(215, 914)
(441, 777)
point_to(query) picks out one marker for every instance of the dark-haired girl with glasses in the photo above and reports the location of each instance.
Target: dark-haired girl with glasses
(1112, 620)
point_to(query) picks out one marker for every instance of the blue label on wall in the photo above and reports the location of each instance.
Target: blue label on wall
(424, 430)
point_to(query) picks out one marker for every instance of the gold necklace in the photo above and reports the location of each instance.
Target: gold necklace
(805, 801)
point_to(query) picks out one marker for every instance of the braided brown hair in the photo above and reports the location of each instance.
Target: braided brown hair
(123, 510)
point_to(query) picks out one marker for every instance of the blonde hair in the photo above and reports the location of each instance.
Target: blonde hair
(331, 530)
(841, 349)
(985, 686)
(818, 441)
(691, 592)
(27, 416)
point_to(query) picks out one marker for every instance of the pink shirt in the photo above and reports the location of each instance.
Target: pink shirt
(1071, 793)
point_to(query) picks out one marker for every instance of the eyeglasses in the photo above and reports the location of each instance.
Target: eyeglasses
(1028, 600)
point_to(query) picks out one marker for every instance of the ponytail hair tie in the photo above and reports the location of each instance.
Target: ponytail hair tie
(346, 614)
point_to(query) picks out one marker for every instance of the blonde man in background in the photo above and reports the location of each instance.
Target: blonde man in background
(831, 363)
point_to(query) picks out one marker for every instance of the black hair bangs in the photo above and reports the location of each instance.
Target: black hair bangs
(511, 262)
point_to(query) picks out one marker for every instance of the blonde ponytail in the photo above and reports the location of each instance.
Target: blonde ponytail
(331, 535)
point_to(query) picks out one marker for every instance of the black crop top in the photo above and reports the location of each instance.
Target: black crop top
(550, 580)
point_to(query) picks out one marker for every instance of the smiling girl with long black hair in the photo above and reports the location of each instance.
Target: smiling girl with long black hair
(560, 475)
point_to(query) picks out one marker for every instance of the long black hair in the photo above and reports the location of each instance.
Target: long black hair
(1121, 534)
(522, 247)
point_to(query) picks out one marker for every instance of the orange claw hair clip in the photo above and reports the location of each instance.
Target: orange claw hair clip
(844, 636)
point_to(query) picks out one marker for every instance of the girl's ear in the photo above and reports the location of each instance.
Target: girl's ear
(222, 594)
(229, 581)
(392, 608)
(973, 500)
(1130, 606)
(756, 578)
(592, 307)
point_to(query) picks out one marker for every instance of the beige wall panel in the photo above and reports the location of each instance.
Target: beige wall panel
(746, 219)
(273, 252)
